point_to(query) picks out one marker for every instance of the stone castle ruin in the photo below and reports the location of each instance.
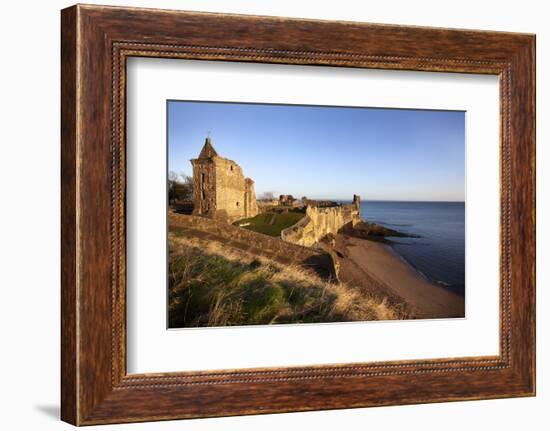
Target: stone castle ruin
(322, 220)
(220, 190)
(289, 200)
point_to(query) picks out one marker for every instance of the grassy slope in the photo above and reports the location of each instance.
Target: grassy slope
(211, 285)
(271, 223)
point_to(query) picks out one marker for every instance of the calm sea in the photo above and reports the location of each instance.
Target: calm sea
(439, 252)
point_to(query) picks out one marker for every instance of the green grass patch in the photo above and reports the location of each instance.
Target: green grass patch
(210, 284)
(210, 290)
(271, 223)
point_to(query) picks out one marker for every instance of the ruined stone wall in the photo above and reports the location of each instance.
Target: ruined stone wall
(250, 204)
(320, 222)
(204, 187)
(230, 190)
(221, 191)
(256, 243)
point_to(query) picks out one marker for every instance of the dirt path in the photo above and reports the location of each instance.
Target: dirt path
(375, 264)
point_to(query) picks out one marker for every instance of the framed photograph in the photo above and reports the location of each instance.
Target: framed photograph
(266, 215)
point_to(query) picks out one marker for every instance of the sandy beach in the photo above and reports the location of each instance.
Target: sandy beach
(377, 265)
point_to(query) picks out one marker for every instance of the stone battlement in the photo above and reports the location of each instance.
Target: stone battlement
(322, 221)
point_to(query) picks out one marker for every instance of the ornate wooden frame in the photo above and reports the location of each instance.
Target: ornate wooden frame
(95, 43)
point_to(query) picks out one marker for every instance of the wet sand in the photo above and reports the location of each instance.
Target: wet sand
(390, 271)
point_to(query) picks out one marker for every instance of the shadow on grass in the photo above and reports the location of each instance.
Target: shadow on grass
(210, 290)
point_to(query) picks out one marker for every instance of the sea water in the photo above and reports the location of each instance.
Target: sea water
(439, 252)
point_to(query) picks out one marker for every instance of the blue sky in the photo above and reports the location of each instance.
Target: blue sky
(328, 152)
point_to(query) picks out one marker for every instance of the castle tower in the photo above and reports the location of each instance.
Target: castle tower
(357, 201)
(356, 214)
(250, 205)
(220, 189)
(204, 180)
(208, 150)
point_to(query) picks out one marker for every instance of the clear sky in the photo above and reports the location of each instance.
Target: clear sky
(328, 152)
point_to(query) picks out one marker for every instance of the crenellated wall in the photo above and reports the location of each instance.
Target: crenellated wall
(322, 221)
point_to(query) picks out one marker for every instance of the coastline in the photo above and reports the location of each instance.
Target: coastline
(400, 279)
(453, 288)
(437, 246)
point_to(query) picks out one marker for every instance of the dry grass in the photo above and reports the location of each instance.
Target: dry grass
(214, 285)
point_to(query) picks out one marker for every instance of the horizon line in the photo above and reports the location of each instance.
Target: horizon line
(384, 200)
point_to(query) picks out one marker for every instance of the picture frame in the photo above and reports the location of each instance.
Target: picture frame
(96, 42)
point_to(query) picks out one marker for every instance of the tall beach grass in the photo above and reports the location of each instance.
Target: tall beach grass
(212, 284)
